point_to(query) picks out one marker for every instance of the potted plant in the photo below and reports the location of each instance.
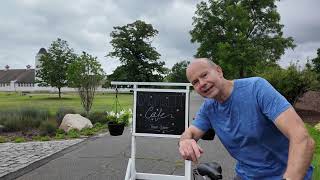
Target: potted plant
(117, 121)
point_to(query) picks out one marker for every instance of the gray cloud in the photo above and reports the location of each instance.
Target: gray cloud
(28, 25)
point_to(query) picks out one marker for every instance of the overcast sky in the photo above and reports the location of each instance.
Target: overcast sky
(28, 25)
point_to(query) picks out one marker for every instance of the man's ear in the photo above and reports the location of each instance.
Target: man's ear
(219, 70)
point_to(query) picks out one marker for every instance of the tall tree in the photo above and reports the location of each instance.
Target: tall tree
(239, 34)
(132, 45)
(316, 62)
(54, 65)
(178, 72)
(86, 74)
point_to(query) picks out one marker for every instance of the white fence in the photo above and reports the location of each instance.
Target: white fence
(36, 88)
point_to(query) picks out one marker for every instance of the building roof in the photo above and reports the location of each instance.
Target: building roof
(18, 75)
(42, 51)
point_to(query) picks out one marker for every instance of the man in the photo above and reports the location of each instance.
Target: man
(255, 123)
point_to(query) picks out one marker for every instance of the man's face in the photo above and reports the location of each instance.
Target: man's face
(206, 79)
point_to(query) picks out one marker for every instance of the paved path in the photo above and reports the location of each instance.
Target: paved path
(106, 157)
(15, 156)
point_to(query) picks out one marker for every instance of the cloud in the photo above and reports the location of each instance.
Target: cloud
(28, 25)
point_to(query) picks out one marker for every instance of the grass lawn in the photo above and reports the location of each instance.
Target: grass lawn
(316, 157)
(102, 101)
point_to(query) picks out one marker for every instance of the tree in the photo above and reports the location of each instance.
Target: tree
(316, 63)
(132, 45)
(54, 65)
(178, 72)
(85, 73)
(239, 34)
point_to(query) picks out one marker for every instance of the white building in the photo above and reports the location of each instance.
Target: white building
(23, 80)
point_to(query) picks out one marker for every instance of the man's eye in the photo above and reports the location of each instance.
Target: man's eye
(194, 82)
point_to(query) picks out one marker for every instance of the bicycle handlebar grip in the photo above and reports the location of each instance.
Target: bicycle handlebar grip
(212, 170)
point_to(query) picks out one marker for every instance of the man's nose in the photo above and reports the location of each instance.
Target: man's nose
(202, 83)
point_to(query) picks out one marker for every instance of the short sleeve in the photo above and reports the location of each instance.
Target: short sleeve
(201, 119)
(270, 101)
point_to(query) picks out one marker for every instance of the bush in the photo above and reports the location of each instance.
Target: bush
(36, 138)
(98, 117)
(87, 131)
(60, 131)
(291, 82)
(23, 119)
(19, 140)
(62, 112)
(2, 139)
(73, 133)
(60, 136)
(44, 138)
(47, 128)
(99, 127)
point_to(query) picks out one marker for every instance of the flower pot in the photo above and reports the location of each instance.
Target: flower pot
(209, 135)
(115, 129)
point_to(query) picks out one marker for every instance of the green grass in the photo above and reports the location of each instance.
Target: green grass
(316, 157)
(102, 101)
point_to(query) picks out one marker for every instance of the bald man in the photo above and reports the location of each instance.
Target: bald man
(254, 122)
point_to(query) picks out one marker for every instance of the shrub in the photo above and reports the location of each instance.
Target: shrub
(19, 140)
(87, 131)
(60, 136)
(98, 117)
(47, 128)
(36, 138)
(291, 82)
(2, 139)
(44, 138)
(97, 125)
(60, 131)
(62, 112)
(23, 119)
(73, 133)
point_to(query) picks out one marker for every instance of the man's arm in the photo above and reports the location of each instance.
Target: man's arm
(301, 145)
(188, 147)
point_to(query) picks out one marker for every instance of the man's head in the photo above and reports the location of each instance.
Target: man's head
(206, 77)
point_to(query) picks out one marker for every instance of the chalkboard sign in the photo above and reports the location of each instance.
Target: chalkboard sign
(160, 112)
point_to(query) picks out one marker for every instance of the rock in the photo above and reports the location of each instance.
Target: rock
(75, 121)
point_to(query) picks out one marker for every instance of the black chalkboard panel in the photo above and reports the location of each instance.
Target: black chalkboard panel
(160, 112)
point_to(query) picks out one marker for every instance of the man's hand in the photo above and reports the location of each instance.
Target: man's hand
(190, 150)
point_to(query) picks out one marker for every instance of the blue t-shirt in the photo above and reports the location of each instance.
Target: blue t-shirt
(245, 125)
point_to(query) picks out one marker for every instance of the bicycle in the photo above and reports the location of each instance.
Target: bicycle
(208, 171)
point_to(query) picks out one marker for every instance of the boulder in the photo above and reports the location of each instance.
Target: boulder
(75, 121)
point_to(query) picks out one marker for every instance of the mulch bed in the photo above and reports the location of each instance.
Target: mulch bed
(308, 107)
(308, 116)
(10, 136)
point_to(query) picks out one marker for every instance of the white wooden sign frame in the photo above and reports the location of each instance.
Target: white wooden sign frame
(131, 173)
